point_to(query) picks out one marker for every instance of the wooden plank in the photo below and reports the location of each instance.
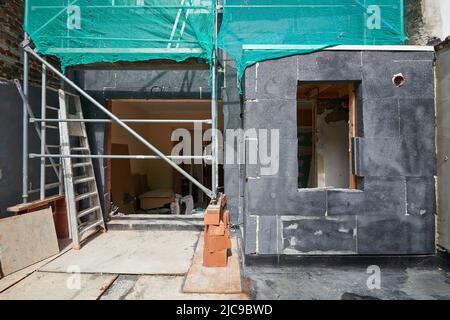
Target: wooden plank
(26, 239)
(352, 125)
(59, 286)
(32, 206)
(225, 280)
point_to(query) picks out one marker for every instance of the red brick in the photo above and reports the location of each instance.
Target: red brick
(217, 259)
(212, 216)
(217, 243)
(212, 230)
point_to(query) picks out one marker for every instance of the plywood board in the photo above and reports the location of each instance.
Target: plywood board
(59, 286)
(27, 239)
(132, 252)
(17, 276)
(214, 280)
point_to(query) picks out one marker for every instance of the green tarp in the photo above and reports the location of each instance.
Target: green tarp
(88, 31)
(257, 30)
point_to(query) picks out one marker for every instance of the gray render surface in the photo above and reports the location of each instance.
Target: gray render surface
(394, 211)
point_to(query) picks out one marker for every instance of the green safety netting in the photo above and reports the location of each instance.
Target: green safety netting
(257, 30)
(89, 31)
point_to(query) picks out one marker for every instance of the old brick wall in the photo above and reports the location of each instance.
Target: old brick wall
(11, 67)
(11, 35)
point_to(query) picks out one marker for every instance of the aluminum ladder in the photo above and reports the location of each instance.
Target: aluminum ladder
(79, 178)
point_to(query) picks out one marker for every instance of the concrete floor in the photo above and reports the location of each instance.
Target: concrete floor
(327, 278)
(346, 279)
(132, 252)
(128, 265)
(131, 287)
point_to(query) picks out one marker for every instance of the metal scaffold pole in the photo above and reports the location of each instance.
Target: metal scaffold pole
(43, 131)
(25, 126)
(214, 111)
(159, 154)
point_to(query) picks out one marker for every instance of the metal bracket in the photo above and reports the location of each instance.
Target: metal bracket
(25, 44)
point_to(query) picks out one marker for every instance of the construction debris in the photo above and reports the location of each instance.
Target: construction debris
(217, 234)
(201, 279)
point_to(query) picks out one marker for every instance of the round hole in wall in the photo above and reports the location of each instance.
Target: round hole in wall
(398, 80)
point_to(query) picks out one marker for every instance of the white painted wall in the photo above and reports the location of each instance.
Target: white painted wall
(436, 17)
(332, 153)
(445, 18)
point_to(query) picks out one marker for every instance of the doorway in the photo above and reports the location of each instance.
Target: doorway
(143, 186)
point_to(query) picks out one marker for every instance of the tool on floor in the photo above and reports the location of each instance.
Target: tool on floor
(79, 178)
(217, 234)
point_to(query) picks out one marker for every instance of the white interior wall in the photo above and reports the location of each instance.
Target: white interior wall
(332, 152)
(159, 174)
(445, 18)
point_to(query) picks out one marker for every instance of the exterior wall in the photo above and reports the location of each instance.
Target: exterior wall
(232, 111)
(11, 145)
(394, 212)
(11, 35)
(426, 20)
(443, 141)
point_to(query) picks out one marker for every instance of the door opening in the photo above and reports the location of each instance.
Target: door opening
(152, 186)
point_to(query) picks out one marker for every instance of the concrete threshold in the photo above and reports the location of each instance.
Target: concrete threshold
(156, 222)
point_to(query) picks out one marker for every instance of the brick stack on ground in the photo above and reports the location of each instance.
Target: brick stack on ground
(217, 240)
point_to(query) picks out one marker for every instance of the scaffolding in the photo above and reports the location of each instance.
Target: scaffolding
(251, 31)
(171, 47)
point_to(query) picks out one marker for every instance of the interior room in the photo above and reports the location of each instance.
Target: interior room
(151, 185)
(326, 124)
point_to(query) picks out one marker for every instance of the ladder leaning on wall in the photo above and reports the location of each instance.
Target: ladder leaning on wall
(71, 159)
(82, 197)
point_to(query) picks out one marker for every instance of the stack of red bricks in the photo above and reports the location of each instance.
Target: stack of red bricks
(217, 234)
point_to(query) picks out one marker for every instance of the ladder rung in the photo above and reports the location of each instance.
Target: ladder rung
(79, 149)
(85, 196)
(53, 146)
(89, 226)
(85, 212)
(52, 127)
(81, 164)
(52, 165)
(52, 108)
(83, 180)
(52, 185)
